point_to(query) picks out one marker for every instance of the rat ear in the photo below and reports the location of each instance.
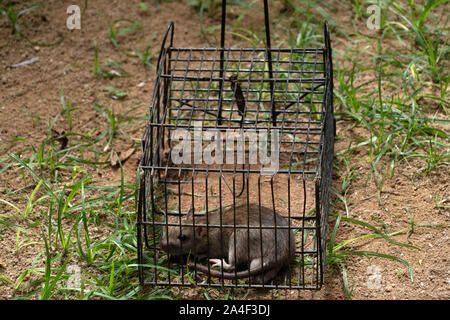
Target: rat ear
(190, 213)
(200, 232)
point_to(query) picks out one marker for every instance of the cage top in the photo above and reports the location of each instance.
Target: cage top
(271, 90)
(217, 91)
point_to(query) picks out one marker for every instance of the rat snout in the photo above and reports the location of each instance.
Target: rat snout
(169, 245)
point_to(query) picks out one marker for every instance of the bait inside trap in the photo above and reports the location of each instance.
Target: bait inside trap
(233, 130)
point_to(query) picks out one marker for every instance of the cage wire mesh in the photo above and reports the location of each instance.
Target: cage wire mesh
(280, 99)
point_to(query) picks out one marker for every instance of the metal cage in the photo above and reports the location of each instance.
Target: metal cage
(284, 95)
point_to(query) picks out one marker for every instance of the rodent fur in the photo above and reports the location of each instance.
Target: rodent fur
(215, 242)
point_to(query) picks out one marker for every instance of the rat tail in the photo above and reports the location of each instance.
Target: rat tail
(229, 275)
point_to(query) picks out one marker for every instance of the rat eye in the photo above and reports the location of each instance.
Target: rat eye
(182, 237)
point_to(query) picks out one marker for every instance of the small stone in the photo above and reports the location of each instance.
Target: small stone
(115, 72)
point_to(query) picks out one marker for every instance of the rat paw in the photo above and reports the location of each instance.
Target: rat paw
(218, 263)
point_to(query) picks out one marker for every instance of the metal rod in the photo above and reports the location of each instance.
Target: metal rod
(269, 56)
(222, 47)
(220, 79)
(299, 50)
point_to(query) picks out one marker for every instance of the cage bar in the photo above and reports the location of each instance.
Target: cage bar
(196, 95)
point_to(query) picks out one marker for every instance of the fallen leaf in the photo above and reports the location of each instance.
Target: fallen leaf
(121, 156)
(126, 154)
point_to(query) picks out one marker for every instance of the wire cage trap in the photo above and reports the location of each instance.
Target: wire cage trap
(235, 174)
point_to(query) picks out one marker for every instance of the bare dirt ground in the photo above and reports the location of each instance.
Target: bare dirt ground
(30, 98)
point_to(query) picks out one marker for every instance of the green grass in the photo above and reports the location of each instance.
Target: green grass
(67, 201)
(121, 27)
(14, 15)
(110, 69)
(402, 109)
(146, 56)
(69, 217)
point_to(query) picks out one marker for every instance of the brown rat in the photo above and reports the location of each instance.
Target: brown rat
(269, 251)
